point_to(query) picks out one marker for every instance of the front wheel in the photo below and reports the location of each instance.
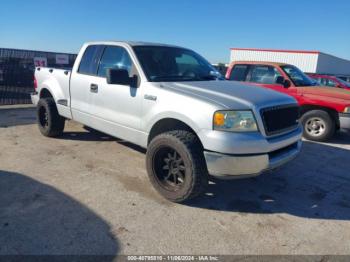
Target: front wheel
(50, 123)
(318, 125)
(176, 165)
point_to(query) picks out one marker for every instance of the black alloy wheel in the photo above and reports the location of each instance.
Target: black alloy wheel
(176, 165)
(169, 168)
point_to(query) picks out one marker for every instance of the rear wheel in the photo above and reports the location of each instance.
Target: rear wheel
(176, 165)
(318, 125)
(50, 123)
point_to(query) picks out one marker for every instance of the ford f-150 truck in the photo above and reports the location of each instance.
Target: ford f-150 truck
(323, 110)
(171, 101)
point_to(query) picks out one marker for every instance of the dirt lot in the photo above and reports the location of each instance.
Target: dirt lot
(87, 193)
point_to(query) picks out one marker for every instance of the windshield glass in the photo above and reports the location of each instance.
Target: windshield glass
(297, 76)
(347, 84)
(170, 64)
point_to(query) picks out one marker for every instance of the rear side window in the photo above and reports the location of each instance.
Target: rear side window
(331, 83)
(264, 74)
(323, 81)
(239, 72)
(114, 57)
(319, 80)
(89, 61)
(327, 82)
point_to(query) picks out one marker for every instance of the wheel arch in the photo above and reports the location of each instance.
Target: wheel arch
(169, 124)
(45, 93)
(332, 112)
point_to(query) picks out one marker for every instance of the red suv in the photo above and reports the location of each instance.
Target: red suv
(330, 81)
(323, 110)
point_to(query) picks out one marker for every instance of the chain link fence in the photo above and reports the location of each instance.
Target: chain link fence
(17, 71)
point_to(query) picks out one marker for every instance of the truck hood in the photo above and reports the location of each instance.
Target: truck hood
(334, 92)
(230, 94)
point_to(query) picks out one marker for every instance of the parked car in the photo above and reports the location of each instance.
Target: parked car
(222, 68)
(169, 100)
(330, 81)
(323, 110)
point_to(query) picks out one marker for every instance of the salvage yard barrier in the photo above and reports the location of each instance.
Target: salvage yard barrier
(17, 71)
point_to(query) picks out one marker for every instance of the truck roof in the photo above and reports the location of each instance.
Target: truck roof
(259, 63)
(131, 43)
(321, 75)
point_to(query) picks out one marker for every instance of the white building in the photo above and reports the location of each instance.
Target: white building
(308, 61)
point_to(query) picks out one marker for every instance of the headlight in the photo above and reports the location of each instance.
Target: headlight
(235, 121)
(347, 109)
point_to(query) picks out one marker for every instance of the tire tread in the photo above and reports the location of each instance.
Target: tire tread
(57, 122)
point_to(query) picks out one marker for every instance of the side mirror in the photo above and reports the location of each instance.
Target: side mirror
(287, 83)
(282, 81)
(118, 77)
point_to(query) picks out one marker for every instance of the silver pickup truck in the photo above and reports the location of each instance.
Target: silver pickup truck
(171, 101)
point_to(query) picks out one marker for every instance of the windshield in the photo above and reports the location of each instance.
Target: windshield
(347, 84)
(297, 76)
(170, 64)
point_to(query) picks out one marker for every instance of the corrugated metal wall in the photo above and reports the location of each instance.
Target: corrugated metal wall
(16, 73)
(305, 61)
(328, 64)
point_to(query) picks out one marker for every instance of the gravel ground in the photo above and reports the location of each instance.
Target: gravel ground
(88, 193)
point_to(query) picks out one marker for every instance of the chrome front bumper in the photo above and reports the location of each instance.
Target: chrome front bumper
(344, 120)
(241, 166)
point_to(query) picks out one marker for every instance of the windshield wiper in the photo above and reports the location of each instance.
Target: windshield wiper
(185, 78)
(172, 78)
(208, 77)
(212, 75)
(169, 77)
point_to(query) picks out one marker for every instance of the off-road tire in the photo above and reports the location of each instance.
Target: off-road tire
(190, 150)
(327, 121)
(50, 123)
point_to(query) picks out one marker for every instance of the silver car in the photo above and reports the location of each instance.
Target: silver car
(171, 101)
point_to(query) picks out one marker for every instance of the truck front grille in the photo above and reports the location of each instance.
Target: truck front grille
(279, 119)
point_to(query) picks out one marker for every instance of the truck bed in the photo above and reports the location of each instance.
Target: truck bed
(57, 82)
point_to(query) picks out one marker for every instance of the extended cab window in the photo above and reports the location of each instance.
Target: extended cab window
(89, 61)
(114, 57)
(239, 72)
(264, 74)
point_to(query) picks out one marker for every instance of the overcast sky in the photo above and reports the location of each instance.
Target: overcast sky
(209, 27)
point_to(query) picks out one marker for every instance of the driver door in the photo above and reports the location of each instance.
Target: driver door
(116, 108)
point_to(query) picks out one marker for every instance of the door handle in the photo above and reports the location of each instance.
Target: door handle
(94, 88)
